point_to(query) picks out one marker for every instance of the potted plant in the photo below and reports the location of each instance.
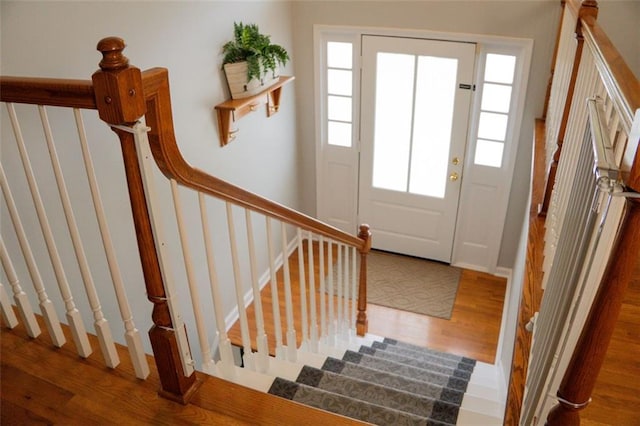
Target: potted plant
(251, 61)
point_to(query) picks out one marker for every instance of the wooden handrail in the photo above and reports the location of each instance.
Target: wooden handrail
(174, 166)
(48, 91)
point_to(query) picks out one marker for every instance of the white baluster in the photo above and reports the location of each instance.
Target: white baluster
(46, 305)
(347, 285)
(354, 291)
(72, 314)
(323, 295)
(226, 365)
(275, 301)
(205, 351)
(303, 293)
(242, 312)
(339, 286)
(288, 299)
(331, 329)
(262, 357)
(312, 298)
(8, 316)
(102, 328)
(22, 301)
(132, 334)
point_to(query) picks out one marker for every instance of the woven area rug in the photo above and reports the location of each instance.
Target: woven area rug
(411, 284)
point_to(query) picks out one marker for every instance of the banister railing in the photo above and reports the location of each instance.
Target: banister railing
(586, 303)
(137, 107)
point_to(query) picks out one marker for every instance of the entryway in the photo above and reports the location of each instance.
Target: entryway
(416, 98)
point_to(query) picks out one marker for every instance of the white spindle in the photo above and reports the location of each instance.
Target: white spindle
(8, 316)
(205, 351)
(347, 286)
(132, 334)
(262, 356)
(275, 301)
(242, 312)
(226, 365)
(303, 292)
(101, 325)
(288, 299)
(147, 166)
(354, 290)
(313, 331)
(331, 329)
(323, 295)
(22, 301)
(47, 308)
(72, 314)
(339, 287)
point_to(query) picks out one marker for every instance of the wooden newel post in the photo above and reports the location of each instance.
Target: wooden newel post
(582, 372)
(362, 322)
(120, 98)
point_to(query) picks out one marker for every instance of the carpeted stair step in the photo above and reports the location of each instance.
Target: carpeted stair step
(454, 361)
(431, 365)
(347, 406)
(392, 380)
(372, 393)
(438, 378)
(415, 348)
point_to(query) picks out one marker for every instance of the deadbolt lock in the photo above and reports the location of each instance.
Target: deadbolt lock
(455, 161)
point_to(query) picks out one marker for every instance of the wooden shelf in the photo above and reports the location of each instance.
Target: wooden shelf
(234, 109)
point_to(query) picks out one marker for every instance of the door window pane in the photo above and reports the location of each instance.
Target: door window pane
(492, 126)
(339, 55)
(392, 129)
(499, 68)
(489, 153)
(339, 134)
(433, 117)
(339, 108)
(339, 82)
(496, 97)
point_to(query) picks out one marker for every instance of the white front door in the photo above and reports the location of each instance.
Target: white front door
(415, 108)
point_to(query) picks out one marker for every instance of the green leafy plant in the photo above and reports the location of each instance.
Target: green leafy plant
(255, 48)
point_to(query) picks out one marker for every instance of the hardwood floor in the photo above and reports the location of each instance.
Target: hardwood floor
(472, 330)
(41, 384)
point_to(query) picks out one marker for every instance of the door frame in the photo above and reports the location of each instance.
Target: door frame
(348, 220)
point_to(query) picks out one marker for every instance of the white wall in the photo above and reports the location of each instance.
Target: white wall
(58, 39)
(619, 19)
(528, 19)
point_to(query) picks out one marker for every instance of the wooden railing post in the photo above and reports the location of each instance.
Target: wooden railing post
(361, 321)
(120, 99)
(588, 9)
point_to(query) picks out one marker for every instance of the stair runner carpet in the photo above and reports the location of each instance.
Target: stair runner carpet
(387, 383)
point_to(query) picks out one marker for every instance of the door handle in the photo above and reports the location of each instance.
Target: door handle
(453, 177)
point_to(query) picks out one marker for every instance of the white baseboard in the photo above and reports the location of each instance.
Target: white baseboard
(503, 272)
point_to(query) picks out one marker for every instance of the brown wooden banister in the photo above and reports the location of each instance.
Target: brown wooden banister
(123, 94)
(174, 166)
(582, 372)
(48, 91)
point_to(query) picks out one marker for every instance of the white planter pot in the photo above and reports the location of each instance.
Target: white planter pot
(237, 79)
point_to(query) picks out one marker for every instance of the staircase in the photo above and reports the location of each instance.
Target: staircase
(319, 360)
(386, 382)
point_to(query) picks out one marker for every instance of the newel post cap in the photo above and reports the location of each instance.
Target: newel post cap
(117, 85)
